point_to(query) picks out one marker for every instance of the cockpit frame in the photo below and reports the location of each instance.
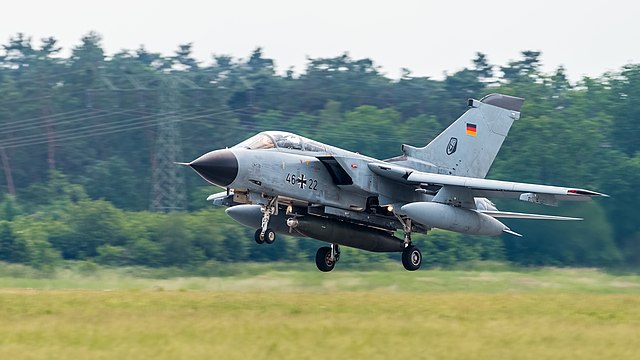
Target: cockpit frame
(281, 140)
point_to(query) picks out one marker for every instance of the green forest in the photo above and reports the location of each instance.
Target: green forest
(82, 135)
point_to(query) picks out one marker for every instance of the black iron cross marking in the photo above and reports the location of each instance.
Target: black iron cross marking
(302, 181)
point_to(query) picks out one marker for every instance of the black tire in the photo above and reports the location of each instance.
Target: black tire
(269, 236)
(259, 239)
(411, 258)
(323, 259)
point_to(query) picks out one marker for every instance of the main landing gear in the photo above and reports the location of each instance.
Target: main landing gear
(327, 257)
(265, 234)
(411, 255)
(411, 258)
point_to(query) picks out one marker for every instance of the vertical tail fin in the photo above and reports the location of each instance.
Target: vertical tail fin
(470, 144)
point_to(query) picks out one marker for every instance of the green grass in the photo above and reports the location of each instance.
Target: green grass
(288, 277)
(301, 325)
(281, 311)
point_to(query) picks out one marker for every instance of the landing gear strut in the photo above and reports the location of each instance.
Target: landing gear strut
(411, 255)
(264, 234)
(327, 257)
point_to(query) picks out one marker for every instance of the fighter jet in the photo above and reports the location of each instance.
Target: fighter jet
(279, 182)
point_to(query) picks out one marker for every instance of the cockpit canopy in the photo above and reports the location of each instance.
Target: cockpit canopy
(280, 140)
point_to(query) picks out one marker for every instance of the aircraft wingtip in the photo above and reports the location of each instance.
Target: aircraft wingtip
(511, 232)
(582, 192)
(181, 163)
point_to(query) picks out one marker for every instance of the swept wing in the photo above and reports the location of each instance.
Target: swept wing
(484, 187)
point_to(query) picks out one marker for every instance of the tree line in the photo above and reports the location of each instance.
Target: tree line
(78, 147)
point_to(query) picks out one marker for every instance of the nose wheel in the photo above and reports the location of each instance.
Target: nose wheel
(258, 237)
(269, 236)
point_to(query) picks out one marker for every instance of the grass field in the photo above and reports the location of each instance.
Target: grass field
(275, 314)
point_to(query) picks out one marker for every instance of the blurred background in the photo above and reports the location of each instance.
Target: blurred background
(88, 136)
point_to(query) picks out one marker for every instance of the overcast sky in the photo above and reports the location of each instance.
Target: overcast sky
(428, 37)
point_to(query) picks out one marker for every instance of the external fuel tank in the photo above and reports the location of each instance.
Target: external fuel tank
(452, 218)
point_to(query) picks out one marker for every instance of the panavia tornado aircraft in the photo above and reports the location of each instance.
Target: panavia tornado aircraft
(278, 182)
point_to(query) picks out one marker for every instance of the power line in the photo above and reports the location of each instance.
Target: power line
(99, 126)
(83, 116)
(106, 129)
(9, 125)
(152, 121)
(134, 123)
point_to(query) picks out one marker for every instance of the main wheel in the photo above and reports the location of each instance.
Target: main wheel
(411, 258)
(323, 259)
(259, 239)
(269, 236)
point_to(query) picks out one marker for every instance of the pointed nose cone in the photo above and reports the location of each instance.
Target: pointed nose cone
(219, 167)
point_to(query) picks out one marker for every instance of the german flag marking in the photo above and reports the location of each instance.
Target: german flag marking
(471, 129)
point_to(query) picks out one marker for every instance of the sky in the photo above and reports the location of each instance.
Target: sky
(430, 38)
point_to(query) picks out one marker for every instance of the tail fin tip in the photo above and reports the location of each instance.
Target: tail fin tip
(507, 102)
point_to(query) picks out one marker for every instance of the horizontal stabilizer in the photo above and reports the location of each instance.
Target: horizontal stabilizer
(515, 215)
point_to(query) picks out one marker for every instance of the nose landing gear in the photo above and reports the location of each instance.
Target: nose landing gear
(265, 234)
